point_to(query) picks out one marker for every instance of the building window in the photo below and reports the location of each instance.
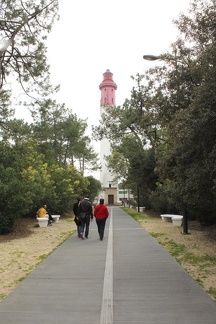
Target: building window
(122, 192)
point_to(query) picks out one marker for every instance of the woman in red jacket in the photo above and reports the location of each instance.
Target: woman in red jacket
(101, 213)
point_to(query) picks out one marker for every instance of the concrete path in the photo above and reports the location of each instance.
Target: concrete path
(126, 278)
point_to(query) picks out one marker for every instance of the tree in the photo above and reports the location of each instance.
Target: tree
(24, 26)
(187, 159)
(27, 181)
(62, 138)
(94, 187)
(5, 110)
(68, 184)
(24, 180)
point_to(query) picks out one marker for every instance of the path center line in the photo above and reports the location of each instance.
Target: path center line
(107, 299)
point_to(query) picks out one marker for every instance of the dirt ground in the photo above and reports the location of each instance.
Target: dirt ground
(28, 245)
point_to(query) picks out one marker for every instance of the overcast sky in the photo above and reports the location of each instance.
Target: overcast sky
(92, 36)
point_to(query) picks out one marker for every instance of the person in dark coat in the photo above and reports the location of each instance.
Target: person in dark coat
(76, 217)
(85, 214)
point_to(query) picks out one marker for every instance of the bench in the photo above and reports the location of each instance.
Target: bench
(140, 208)
(166, 217)
(42, 221)
(175, 219)
(56, 218)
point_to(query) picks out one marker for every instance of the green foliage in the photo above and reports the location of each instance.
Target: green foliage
(21, 183)
(188, 158)
(61, 135)
(37, 161)
(94, 187)
(24, 26)
(162, 198)
(163, 137)
(68, 183)
(38, 165)
(132, 160)
(11, 198)
(27, 182)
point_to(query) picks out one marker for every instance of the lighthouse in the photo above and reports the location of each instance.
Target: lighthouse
(107, 88)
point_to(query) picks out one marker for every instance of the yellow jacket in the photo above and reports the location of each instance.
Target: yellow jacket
(41, 212)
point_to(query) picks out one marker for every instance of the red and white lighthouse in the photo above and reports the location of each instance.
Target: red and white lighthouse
(108, 88)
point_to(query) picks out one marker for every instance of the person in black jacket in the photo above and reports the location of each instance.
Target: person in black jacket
(50, 219)
(85, 214)
(76, 217)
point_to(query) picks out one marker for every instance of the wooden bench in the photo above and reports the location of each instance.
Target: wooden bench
(175, 219)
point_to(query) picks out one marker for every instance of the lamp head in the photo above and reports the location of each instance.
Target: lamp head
(151, 57)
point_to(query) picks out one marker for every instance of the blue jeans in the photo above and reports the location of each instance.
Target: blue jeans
(84, 225)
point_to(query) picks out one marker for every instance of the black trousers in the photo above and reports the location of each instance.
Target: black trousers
(50, 219)
(101, 226)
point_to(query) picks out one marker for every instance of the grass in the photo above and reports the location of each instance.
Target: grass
(212, 292)
(156, 235)
(136, 215)
(2, 296)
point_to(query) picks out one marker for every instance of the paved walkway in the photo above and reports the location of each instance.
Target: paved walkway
(126, 278)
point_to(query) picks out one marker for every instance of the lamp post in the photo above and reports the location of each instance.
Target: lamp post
(129, 198)
(138, 198)
(150, 57)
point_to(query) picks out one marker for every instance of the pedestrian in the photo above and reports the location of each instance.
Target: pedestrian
(76, 216)
(43, 211)
(85, 214)
(101, 214)
(51, 219)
